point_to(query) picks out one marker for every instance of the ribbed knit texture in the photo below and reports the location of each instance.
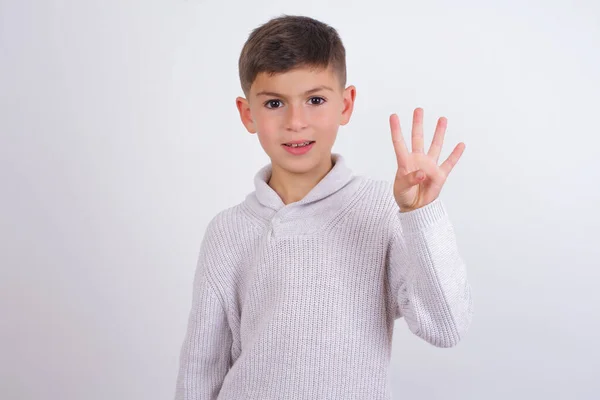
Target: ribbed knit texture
(298, 301)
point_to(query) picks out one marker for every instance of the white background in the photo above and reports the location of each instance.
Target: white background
(120, 140)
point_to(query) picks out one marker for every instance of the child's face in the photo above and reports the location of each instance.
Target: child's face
(283, 108)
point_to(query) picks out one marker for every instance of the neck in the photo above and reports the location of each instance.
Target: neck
(293, 187)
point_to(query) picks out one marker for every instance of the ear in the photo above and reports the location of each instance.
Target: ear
(245, 114)
(348, 99)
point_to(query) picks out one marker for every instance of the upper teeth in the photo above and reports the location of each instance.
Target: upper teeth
(298, 144)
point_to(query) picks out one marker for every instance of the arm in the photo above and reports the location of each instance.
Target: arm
(427, 275)
(206, 349)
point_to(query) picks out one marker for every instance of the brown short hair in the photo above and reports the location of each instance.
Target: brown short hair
(288, 42)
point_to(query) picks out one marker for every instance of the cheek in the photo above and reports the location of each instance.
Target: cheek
(325, 118)
(265, 123)
(268, 130)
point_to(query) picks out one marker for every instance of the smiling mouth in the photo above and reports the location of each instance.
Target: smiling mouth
(303, 144)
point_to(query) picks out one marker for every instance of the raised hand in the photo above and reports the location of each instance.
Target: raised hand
(419, 179)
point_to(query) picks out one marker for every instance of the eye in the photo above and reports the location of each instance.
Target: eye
(273, 103)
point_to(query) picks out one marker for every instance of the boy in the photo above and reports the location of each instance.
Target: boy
(297, 287)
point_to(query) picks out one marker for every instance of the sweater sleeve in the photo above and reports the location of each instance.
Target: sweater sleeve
(428, 277)
(206, 349)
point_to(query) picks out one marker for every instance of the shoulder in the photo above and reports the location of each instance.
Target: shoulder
(377, 196)
(375, 206)
(224, 242)
(227, 222)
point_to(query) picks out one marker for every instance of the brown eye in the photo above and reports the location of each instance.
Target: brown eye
(272, 104)
(319, 101)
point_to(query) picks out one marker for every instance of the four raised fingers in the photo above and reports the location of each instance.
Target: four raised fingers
(401, 151)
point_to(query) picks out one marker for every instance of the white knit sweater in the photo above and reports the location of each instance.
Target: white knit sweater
(298, 301)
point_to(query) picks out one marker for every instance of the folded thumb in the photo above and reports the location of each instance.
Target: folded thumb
(418, 175)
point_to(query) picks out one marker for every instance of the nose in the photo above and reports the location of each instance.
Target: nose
(296, 118)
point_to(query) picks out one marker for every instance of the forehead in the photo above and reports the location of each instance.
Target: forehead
(294, 82)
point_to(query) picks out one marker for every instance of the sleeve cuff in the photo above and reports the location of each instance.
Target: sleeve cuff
(424, 217)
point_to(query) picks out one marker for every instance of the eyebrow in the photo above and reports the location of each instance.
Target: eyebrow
(318, 88)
